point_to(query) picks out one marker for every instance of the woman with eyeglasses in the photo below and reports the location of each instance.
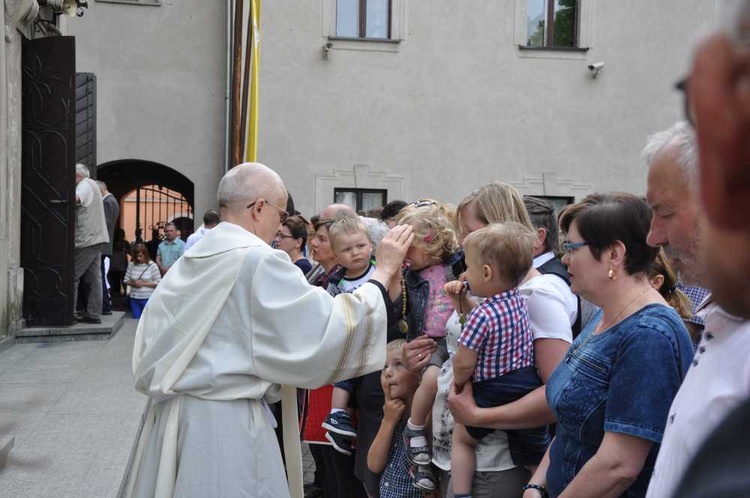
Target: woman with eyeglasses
(292, 238)
(611, 394)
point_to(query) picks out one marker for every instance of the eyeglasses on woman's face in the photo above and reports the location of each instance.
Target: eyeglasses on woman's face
(571, 247)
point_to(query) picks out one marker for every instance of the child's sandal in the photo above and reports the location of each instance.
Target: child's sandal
(417, 455)
(422, 477)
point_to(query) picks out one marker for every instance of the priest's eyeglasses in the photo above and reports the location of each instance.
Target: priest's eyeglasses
(283, 215)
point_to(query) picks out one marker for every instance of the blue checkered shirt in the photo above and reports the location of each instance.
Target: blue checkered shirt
(696, 296)
(396, 481)
(499, 331)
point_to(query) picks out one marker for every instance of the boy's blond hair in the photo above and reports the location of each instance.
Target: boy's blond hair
(433, 229)
(398, 344)
(345, 226)
(507, 247)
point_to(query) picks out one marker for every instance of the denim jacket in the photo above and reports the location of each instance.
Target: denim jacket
(418, 293)
(622, 380)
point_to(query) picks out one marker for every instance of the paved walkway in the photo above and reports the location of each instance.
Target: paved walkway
(74, 413)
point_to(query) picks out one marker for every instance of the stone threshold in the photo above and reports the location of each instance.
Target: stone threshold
(6, 444)
(6, 342)
(78, 332)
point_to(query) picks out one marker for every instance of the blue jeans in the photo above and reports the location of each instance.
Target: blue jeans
(136, 306)
(527, 446)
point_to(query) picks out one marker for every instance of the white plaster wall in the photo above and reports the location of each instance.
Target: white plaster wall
(457, 104)
(161, 85)
(452, 106)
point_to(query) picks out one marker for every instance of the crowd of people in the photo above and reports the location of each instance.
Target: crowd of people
(495, 348)
(107, 265)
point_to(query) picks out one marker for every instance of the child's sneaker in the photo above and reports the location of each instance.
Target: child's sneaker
(422, 477)
(340, 423)
(342, 444)
(417, 451)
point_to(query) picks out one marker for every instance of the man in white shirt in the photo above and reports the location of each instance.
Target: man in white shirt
(90, 237)
(719, 378)
(232, 321)
(542, 215)
(721, 108)
(210, 220)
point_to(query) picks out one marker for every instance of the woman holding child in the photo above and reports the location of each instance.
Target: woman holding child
(611, 394)
(497, 475)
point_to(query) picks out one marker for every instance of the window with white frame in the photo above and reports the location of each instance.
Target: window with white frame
(364, 19)
(552, 23)
(361, 199)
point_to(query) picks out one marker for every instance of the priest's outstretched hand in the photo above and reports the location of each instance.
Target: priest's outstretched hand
(391, 252)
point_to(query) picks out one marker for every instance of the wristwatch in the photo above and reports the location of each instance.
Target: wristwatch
(542, 490)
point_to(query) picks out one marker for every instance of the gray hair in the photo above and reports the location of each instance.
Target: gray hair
(377, 230)
(542, 214)
(102, 185)
(682, 136)
(82, 170)
(247, 183)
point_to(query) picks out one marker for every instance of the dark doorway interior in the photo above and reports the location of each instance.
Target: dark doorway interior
(156, 187)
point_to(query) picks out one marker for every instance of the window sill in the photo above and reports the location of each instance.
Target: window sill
(573, 53)
(368, 40)
(555, 49)
(152, 3)
(364, 44)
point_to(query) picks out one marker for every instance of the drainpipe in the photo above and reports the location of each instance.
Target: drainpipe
(228, 89)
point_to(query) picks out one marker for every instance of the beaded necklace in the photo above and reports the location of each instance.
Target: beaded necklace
(402, 325)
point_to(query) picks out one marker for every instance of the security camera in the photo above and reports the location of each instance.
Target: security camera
(326, 49)
(595, 68)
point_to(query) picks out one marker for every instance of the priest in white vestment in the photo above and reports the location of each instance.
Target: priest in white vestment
(232, 321)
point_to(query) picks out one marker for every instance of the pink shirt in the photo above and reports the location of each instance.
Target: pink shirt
(439, 306)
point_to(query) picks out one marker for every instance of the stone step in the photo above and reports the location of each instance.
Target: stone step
(6, 444)
(78, 332)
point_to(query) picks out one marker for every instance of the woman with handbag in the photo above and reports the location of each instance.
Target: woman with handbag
(141, 279)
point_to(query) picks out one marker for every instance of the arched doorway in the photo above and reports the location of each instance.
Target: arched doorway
(150, 195)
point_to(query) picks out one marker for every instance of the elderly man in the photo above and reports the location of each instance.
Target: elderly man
(720, 376)
(720, 104)
(673, 176)
(90, 237)
(170, 249)
(234, 319)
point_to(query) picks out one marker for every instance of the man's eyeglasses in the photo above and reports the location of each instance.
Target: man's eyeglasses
(572, 246)
(283, 215)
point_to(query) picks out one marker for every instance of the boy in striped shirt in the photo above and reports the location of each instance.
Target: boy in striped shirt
(496, 344)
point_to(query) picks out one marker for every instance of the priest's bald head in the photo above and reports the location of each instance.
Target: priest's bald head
(253, 196)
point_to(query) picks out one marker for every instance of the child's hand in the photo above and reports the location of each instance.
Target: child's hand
(393, 408)
(455, 288)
